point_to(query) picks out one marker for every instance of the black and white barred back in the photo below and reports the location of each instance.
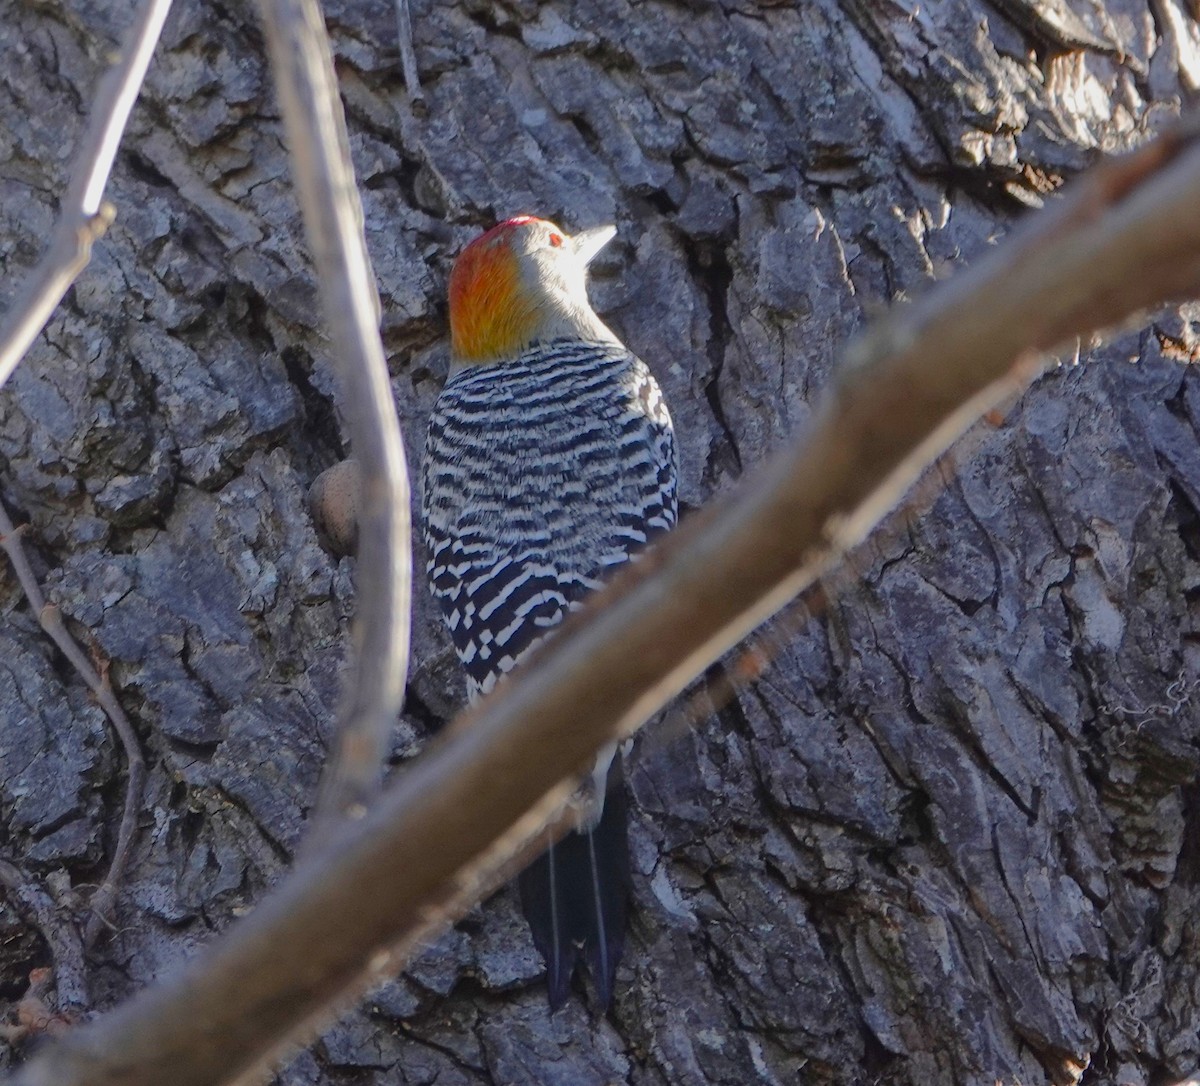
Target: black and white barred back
(541, 474)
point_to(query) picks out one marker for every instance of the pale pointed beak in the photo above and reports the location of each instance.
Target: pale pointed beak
(588, 243)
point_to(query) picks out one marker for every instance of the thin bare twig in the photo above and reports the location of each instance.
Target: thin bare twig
(50, 618)
(85, 216)
(66, 949)
(1128, 237)
(302, 63)
(408, 56)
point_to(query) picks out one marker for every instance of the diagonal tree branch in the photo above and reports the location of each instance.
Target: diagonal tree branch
(316, 131)
(84, 216)
(1128, 236)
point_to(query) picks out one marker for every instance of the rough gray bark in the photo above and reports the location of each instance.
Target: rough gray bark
(946, 838)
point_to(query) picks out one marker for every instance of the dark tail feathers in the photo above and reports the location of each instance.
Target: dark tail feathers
(575, 897)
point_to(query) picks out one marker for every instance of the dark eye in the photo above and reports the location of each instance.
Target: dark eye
(556, 240)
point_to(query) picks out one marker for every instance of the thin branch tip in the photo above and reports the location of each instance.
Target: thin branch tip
(85, 215)
(408, 56)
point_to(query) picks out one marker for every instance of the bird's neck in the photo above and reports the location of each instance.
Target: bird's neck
(516, 330)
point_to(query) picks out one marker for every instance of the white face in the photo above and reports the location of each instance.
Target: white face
(549, 264)
(554, 263)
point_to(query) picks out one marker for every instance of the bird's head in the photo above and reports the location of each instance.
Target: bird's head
(522, 281)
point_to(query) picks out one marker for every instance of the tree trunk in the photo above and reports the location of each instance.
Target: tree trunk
(948, 836)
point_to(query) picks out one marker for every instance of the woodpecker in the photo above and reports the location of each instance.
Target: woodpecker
(550, 460)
